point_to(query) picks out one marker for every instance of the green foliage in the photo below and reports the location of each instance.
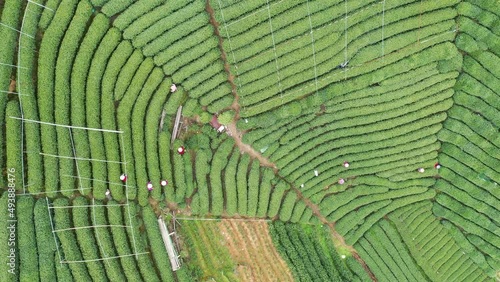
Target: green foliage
(230, 184)
(13, 147)
(86, 240)
(198, 141)
(253, 188)
(47, 15)
(469, 248)
(156, 242)
(111, 141)
(25, 85)
(424, 236)
(121, 242)
(309, 252)
(168, 171)
(202, 168)
(179, 164)
(125, 111)
(144, 262)
(10, 18)
(127, 73)
(62, 104)
(218, 164)
(264, 192)
(288, 206)
(205, 117)
(68, 240)
(226, 117)
(208, 256)
(45, 95)
(241, 184)
(46, 248)
(139, 136)
(79, 73)
(135, 11)
(113, 7)
(26, 240)
(94, 116)
(276, 198)
(9, 247)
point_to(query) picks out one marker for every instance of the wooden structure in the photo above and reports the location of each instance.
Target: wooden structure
(169, 245)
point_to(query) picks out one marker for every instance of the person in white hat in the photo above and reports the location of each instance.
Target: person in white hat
(341, 181)
(123, 177)
(173, 88)
(164, 183)
(149, 186)
(421, 170)
(346, 164)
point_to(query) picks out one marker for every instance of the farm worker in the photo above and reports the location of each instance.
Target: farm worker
(149, 186)
(181, 150)
(108, 194)
(341, 181)
(164, 183)
(301, 185)
(421, 170)
(437, 166)
(123, 177)
(173, 88)
(346, 164)
(316, 173)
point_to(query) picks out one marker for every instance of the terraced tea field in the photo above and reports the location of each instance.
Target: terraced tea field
(280, 140)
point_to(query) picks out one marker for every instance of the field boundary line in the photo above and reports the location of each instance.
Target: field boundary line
(14, 93)
(67, 126)
(103, 259)
(40, 193)
(38, 4)
(89, 206)
(77, 158)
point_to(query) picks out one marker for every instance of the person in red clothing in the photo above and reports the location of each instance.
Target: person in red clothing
(181, 150)
(123, 177)
(437, 166)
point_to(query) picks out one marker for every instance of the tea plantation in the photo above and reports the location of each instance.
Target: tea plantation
(340, 140)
